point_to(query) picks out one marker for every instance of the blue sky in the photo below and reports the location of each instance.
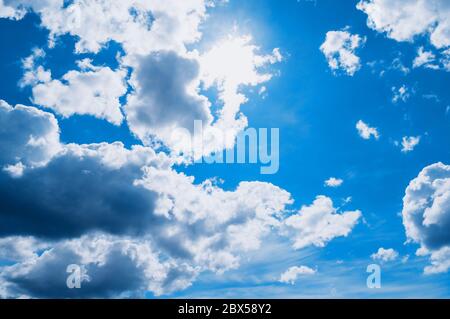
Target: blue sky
(316, 109)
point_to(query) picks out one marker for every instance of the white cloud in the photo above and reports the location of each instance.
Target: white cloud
(229, 65)
(439, 262)
(334, 182)
(151, 111)
(17, 249)
(402, 20)
(424, 58)
(409, 143)
(232, 64)
(118, 210)
(140, 26)
(339, 49)
(426, 215)
(291, 275)
(93, 91)
(189, 227)
(139, 216)
(319, 223)
(149, 31)
(385, 255)
(28, 138)
(446, 60)
(400, 94)
(366, 132)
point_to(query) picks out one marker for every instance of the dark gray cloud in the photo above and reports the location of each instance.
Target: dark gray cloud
(113, 272)
(163, 99)
(74, 195)
(27, 135)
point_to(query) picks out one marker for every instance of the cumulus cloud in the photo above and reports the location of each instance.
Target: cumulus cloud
(140, 26)
(154, 35)
(154, 114)
(126, 211)
(106, 190)
(28, 137)
(113, 267)
(426, 215)
(385, 255)
(409, 143)
(402, 20)
(339, 49)
(334, 182)
(291, 275)
(366, 132)
(100, 87)
(319, 223)
(151, 111)
(125, 214)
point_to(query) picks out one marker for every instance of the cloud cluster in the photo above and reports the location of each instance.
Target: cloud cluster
(141, 26)
(28, 138)
(426, 215)
(319, 223)
(366, 131)
(334, 182)
(154, 35)
(291, 275)
(402, 20)
(405, 20)
(400, 94)
(151, 111)
(128, 217)
(125, 214)
(409, 143)
(100, 87)
(340, 48)
(385, 255)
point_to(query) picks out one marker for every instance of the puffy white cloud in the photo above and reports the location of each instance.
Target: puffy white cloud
(127, 211)
(104, 189)
(117, 210)
(426, 215)
(385, 255)
(91, 91)
(141, 26)
(334, 182)
(439, 261)
(34, 73)
(236, 220)
(409, 143)
(366, 132)
(402, 20)
(153, 34)
(231, 64)
(319, 223)
(291, 275)
(28, 137)
(339, 48)
(16, 9)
